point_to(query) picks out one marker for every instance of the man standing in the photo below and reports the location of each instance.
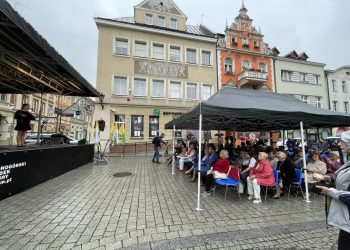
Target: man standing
(156, 144)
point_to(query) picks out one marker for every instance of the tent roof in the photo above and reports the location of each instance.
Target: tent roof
(252, 110)
(28, 64)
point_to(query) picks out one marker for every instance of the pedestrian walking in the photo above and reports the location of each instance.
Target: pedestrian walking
(157, 141)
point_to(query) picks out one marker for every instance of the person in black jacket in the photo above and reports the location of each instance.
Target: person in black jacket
(23, 118)
(157, 144)
(286, 173)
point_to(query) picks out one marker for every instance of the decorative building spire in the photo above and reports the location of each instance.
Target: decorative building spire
(226, 24)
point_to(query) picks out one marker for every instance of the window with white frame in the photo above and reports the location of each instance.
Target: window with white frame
(206, 92)
(120, 86)
(262, 67)
(191, 56)
(191, 91)
(286, 75)
(302, 77)
(335, 105)
(158, 51)
(173, 23)
(317, 79)
(50, 110)
(122, 47)
(304, 98)
(228, 65)
(343, 87)
(175, 90)
(149, 19)
(175, 54)
(334, 86)
(206, 58)
(140, 49)
(161, 21)
(318, 102)
(246, 65)
(137, 126)
(346, 107)
(140, 87)
(245, 41)
(158, 88)
(35, 105)
(3, 97)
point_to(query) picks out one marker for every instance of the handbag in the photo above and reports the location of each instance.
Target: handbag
(218, 175)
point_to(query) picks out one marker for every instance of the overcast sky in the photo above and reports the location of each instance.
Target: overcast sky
(321, 28)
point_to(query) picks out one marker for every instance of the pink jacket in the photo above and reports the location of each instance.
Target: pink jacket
(263, 172)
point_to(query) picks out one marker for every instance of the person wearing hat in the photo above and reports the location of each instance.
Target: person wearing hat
(339, 210)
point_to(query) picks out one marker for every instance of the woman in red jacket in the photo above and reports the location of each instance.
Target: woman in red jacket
(260, 175)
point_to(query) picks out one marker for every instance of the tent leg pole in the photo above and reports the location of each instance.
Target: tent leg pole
(199, 162)
(173, 160)
(304, 162)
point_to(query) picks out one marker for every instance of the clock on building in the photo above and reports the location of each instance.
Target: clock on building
(244, 26)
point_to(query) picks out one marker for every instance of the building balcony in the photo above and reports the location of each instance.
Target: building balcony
(252, 79)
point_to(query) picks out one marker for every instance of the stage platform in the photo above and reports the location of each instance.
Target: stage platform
(25, 167)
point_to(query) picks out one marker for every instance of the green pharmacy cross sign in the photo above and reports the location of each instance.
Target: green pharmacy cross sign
(156, 112)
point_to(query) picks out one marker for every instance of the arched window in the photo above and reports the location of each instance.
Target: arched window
(228, 65)
(262, 67)
(245, 65)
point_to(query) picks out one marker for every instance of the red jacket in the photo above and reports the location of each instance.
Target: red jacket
(222, 166)
(263, 173)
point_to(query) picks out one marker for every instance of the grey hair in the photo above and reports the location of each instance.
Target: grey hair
(264, 155)
(281, 154)
(224, 152)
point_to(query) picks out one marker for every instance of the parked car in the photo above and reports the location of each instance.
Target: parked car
(46, 139)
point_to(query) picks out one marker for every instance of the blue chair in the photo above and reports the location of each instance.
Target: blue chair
(297, 183)
(275, 174)
(228, 183)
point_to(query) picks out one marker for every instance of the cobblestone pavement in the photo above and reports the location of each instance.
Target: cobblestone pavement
(88, 208)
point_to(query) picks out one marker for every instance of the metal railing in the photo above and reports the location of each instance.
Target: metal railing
(252, 74)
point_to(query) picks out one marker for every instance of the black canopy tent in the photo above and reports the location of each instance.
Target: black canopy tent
(28, 63)
(251, 110)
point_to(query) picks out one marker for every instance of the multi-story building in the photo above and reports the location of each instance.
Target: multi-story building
(339, 89)
(63, 123)
(151, 67)
(244, 59)
(303, 79)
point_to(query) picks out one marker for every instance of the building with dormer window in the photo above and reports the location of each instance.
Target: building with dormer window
(151, 67)
(244, 58)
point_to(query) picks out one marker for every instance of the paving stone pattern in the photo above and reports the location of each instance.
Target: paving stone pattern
(88, 208)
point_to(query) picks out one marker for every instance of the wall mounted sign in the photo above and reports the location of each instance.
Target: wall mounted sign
(160, 69)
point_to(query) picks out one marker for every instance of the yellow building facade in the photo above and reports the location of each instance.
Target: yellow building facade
(152, 67)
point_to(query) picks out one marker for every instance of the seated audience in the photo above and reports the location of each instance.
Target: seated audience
(188, 157)
(316, 168)
(260, 175)
(333, 163)
(286, 173)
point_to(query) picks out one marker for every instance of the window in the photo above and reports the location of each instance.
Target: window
(228, 65)
(246, 65)
(119, 119)
(318, 102)
(343, 87)
(149, 19)
(178, 133)
(50, 110)
(346, 107)
(35, 106)
(158, 88)
(153, 126)
(302, 77)
(3, 97)
(334, 86)
(206, 58)
(234, 40)
(262, 67)
(137, 126)
(121, 47)
(120, 86)
(245, 41)
(256, 44)
(191, 56)
(206, 92)
(140, 87)
(335, 105)
(140, 49)
(304, 98)
(161, 21)
(25, 99)
(286, 75)
(175, 54)
(13, 98)
(191, 91)
(173, 24)
(317, 79)
(175, 90)
(158, 51)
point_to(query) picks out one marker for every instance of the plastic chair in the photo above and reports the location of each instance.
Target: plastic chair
(298, 182)
(275, 174)
(229, 183)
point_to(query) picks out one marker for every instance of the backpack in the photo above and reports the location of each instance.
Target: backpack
(154, 140)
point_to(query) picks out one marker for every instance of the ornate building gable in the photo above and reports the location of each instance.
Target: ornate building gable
(166, 6)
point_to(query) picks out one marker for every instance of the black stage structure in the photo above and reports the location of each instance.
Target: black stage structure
(29, 64)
